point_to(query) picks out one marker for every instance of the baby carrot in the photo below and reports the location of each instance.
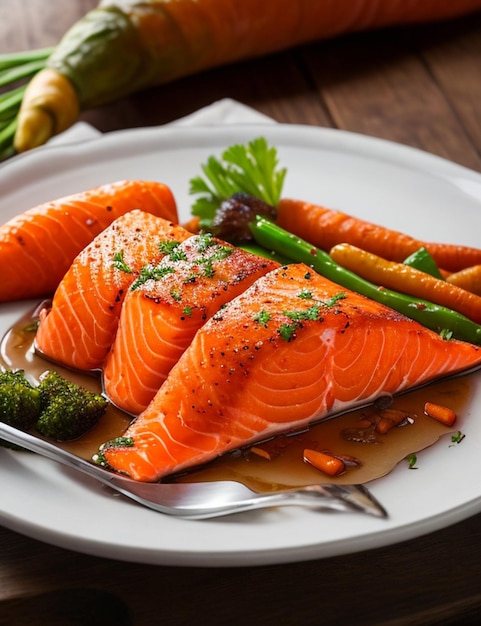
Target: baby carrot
(408, 280)
(442, 414)
(326, 463)
(469, 279)
(326, 228)
(38, 246)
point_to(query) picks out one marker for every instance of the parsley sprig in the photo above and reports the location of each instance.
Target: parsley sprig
(251, 168)
(120, 264)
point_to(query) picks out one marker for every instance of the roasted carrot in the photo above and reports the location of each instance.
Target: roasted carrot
(38, 246)
(408, 280)
(469, 279)
(325, 228)
(126, 45)
(326, 463)
(192, 225)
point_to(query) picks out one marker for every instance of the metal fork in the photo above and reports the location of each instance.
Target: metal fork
(208, 499)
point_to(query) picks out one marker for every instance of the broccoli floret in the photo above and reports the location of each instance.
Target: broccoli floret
(67, 410)
(20, 402)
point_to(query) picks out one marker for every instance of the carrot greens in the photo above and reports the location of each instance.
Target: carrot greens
(15, 69)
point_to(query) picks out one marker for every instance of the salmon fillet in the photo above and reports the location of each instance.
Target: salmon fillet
(38, 246)
(162, 312)
(292, 349)
(79, 328)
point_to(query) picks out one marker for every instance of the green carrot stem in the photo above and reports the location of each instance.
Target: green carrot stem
(12, 59)
(433, 316)
(10, 102)
(7, 133)
(7, 152)
(13, 74)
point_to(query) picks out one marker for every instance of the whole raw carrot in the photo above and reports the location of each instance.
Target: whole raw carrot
(127, 45)
(38, 246)
(409, 280)
(325, 228)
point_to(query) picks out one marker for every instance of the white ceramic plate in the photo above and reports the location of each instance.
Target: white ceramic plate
(397, 186)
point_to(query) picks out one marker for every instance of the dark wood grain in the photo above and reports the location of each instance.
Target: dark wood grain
(420, 86)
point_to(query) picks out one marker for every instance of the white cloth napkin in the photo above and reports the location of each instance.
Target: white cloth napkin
(226, 111)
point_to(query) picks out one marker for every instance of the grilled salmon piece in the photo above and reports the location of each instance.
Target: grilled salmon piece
(165, 307)
(79, 328)
(292, 349)
(38, 246)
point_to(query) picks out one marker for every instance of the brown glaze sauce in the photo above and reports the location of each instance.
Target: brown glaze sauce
(285, 466)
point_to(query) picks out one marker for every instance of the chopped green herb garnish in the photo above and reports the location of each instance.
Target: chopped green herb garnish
(154, 272)
(221, 253)
(168, 246)
(118, 442)
(187, 311)
(176, 294)
(262, 317)
(208, 268)
(412, 459)
(251, 169)
(120, 264)
(312, 313)
(457, 437)
(332, 301)
(32, 327)
(205, 241)
(286, 331)
(177, 255)
(305, 294)
(192, 277)
(446, 334)
(173, 250)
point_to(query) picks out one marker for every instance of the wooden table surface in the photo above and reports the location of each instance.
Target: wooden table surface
(419, 86)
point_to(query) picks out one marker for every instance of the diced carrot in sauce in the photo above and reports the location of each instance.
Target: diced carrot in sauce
(384, 425)
(442, 414)
(326, 463)
(388, 419)
(261, 452)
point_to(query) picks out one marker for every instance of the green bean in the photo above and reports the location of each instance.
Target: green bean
(438, 318)
(423, 261)
(263, 252)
